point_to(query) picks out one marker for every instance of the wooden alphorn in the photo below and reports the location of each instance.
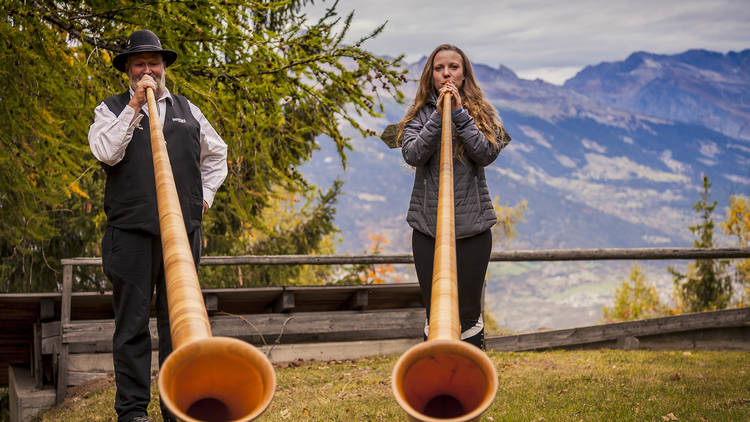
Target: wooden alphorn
(444, 379)
(205, 378)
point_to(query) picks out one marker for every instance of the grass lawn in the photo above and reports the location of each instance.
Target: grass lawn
(600, 385)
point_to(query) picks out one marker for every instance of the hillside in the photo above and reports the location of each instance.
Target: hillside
(697, 86)
(594, 176)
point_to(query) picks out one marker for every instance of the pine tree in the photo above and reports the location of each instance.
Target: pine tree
(268, 80)
(705, 286)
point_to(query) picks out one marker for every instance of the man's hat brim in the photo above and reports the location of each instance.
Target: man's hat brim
(120, 59)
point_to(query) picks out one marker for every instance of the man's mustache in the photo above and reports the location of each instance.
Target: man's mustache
(154, 77)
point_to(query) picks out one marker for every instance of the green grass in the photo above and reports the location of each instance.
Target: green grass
(601, 385)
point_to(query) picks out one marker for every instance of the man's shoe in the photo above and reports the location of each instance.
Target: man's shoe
(141, 419)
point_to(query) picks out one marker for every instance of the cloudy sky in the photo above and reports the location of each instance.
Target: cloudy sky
(551, 40)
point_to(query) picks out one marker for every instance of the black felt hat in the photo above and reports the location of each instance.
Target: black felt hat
(143, 41)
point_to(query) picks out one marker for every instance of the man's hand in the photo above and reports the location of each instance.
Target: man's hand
(205, 207)
(139, 96)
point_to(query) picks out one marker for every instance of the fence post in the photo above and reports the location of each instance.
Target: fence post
(62, 353)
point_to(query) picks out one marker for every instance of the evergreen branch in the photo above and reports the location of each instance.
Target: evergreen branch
(104, 14)
(305, 62)
(71, 29)
(296, 239)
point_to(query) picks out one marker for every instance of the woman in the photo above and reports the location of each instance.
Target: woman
(478, 137)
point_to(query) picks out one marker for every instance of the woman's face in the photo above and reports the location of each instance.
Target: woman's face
(447, 66)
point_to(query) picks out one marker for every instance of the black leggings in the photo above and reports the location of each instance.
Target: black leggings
(472, 257)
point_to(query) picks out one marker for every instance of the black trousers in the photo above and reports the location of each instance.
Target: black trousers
(472, 257)
(132, 260)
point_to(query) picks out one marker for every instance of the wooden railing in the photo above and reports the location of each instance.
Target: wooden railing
(497, 256)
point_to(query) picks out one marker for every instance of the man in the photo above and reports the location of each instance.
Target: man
(131, 246)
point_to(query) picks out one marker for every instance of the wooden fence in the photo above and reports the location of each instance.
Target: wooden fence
(70, 333)
(496, 256)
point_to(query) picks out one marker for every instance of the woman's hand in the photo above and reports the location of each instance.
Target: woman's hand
(455, 97)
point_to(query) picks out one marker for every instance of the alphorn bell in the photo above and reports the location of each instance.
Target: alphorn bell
(205, 378)
(444, 379)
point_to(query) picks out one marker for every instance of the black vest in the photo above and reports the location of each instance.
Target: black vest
(130, 194)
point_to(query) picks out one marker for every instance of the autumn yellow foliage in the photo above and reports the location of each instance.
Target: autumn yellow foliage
(635, 299)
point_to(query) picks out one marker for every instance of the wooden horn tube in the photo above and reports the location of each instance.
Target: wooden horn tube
(444, 379)
(205, 378)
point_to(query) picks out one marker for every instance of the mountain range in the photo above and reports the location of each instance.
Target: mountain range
(698, 86)
(613, 158)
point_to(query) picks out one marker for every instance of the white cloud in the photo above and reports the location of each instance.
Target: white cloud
(737, 179)
(739, 147)
(627, 140)
(672, 164)
(553, 75)
(709, 149)
(370, 197)
(565, 160)
(535, 135)
(649, 238)
(707, 162)
(600, 167)
(507, 173)
(589, 144)
(518, 146)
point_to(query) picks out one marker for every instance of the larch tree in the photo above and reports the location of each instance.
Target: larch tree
(508, 218)
(737, 224)
(268, 79)
(635, 299)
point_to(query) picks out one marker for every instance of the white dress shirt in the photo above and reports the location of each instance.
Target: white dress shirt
(110, 135)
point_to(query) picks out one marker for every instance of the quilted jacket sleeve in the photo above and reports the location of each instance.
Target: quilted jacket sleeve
(476, 145)
(421, 137)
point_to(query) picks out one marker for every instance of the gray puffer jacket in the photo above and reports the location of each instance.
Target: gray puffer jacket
(421, 148)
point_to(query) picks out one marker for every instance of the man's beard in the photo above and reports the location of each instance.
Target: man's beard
(160, 83)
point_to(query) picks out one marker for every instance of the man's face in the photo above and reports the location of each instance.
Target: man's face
(146, 64)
